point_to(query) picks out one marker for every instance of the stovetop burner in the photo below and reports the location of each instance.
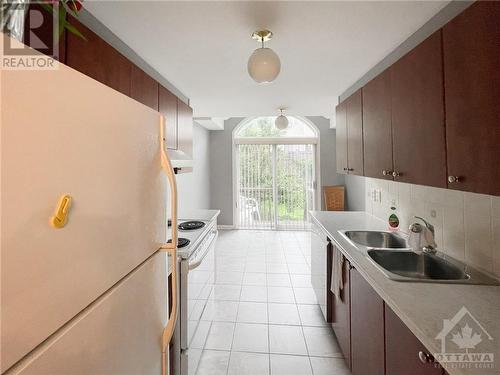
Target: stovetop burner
(181, 242)
(191, 225)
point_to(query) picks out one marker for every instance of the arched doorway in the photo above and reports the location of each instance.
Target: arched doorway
(274, 173)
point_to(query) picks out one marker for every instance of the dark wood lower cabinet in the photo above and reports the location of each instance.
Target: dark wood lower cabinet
(402, 349)
(341, 315)
(367, 328)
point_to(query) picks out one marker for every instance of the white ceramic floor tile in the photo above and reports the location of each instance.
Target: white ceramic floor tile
(200, 337)
(233, 278)
(275, 258)
(251, 338)
(283, 313)
(290, 365)
(252, 312)
(279, 294)
(301, 281)
(220, 336)
(286, 340)
(311, 315)
(231, 267)
(194, 360)
(296, 259)
(250, 293)
(329, 366)
(299, 269)
(258, 279)
(255, 267)
(223, 292)
(248, 364)
(321, 342)
(305, 295)
(279, 261)
(278, 279)
(221, 311)
(213, 363)
(276, 267)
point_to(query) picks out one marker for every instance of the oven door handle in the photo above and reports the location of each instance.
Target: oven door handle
(197, 263)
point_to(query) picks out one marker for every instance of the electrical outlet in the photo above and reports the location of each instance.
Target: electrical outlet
(433, 213)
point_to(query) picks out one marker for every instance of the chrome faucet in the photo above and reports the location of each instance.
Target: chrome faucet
(417, 229)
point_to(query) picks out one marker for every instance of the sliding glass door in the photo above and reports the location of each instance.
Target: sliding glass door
(275, 185)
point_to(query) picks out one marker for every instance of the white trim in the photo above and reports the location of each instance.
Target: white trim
(225, 227)
(277, 140)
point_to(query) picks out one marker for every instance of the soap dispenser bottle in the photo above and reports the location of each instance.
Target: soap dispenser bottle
(393, 220)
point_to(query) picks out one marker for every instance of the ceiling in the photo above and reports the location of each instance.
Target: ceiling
(202, 48)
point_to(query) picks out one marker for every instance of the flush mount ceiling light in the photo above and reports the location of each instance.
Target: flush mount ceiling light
(264, 64)
(281, 121)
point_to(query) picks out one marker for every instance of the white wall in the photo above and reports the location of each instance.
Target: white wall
(467, 224)
(194, 188)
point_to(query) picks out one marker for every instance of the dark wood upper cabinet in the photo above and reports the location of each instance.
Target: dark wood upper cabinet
(143, 88)
(367, 328)
(167, 104)
(341, 315)
(377, 128)
(471, 48)
(417, 101)
(341, 138)
(402, 349)
(354, 116)
(97, 59)
(184, 127)
(39, 33)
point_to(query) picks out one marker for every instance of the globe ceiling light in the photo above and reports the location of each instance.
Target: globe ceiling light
(264, 64)
(281, 121)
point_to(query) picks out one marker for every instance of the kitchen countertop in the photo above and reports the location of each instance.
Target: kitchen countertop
(421, 306)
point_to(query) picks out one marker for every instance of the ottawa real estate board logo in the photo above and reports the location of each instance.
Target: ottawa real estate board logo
(30, 24)
(465, 343)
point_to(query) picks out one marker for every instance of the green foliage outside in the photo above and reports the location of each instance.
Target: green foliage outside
(294, 166)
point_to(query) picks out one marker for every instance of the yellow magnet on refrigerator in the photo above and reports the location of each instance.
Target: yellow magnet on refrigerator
(61, 215)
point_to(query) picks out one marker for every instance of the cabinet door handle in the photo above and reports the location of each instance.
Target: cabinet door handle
(396, 174)
(425, 357)
(453, 179)
(387, 172)
(346, 169)
(350, 169)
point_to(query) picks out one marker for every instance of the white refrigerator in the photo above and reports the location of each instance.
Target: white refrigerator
(90, 296)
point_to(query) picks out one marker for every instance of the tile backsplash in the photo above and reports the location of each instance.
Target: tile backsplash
(467, 225)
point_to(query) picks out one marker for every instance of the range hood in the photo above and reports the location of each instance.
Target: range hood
(180, 159)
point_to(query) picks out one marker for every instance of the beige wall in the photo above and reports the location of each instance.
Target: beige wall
(467, 224)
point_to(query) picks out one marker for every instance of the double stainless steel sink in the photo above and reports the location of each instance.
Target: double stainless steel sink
(392, 255)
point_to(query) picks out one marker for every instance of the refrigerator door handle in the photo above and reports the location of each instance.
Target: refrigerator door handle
(170, 248)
